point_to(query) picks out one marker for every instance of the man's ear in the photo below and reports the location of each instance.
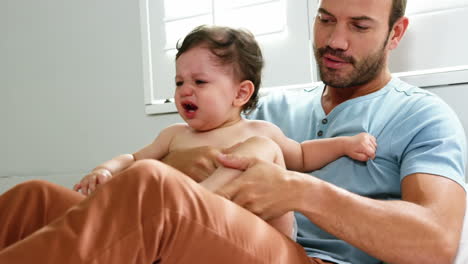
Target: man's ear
(397, 33)
(245, 91)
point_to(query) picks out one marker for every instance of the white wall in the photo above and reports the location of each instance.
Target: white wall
(71, 86)
(434, 39)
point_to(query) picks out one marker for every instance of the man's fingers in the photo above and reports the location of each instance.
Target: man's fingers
(234, 162)
(229, 190)
(231, 148)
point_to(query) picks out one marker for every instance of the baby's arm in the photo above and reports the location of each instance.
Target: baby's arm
(319, 152)
(262, 148)
(314, 154)
(104, 172)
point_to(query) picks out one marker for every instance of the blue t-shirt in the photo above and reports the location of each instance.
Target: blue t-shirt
(416, 132)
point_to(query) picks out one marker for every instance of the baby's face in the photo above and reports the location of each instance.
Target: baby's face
(205, 90)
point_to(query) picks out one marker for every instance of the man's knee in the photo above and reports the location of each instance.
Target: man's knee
(33, 187)
(147, 171)
(154, 177)
(35, 192)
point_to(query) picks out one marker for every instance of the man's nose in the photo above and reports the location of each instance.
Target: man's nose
(338, 38)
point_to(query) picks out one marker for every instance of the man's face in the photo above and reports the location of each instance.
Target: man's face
(350, 40)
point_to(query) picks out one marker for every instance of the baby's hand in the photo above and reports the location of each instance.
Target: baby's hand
(361, 147)
(88, 184)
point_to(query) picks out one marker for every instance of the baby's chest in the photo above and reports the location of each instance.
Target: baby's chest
(217, 140)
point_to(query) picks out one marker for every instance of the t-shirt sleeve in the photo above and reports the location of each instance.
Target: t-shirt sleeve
(434, 141)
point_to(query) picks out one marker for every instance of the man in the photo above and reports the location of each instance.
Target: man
(414, 132)
(151, 212)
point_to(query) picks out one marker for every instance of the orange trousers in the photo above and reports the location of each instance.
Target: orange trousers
(149, 213)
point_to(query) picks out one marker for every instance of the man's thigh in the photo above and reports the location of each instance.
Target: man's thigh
(202, 227)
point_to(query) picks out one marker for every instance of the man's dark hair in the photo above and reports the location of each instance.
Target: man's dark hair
(397, 11)
(231, 46)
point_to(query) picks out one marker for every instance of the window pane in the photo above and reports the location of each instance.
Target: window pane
(260, 19)
(184, 8)
(424, 6)
(177, 29)
(239, 3)
(434, 38)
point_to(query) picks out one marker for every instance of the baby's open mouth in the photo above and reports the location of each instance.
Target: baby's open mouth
(190, 107)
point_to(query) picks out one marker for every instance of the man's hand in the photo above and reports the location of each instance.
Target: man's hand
(198, 163)
(264, 188)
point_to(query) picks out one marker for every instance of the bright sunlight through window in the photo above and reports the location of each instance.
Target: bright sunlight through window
(181, 16)
(424, 6)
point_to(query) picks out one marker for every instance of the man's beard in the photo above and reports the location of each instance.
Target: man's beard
(364, 71)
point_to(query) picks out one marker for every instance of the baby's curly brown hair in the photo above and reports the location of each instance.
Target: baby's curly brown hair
(237, 47)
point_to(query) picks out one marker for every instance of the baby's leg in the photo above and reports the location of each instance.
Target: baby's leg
(259, 147)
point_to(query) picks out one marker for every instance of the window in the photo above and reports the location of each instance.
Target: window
(436, 36)
(178, 22)
(280, 26)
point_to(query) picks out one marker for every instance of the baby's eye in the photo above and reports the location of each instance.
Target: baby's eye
(179, 83)
(199, 82)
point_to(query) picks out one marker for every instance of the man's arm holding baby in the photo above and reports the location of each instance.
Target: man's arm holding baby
(424, 227)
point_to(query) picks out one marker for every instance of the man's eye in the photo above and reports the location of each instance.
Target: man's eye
(361, 28)
(324, 19)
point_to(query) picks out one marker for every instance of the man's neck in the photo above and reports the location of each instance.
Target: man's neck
(332, 96)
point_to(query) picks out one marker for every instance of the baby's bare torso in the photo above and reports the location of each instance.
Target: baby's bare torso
(220, 138)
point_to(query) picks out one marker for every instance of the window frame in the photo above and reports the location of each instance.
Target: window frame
(154, 105)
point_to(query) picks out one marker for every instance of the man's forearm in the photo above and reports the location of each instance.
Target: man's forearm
(393, 231)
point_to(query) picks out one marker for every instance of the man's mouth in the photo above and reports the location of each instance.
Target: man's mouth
(333, 62)
(334, 58)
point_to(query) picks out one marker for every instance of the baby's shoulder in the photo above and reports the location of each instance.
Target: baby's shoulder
(264, 127)
(175, 129)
